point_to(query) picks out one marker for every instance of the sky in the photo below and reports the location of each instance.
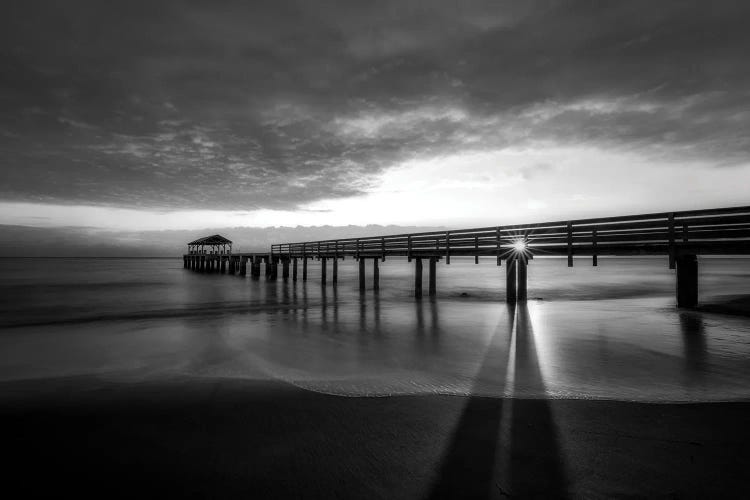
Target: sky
(181, 115)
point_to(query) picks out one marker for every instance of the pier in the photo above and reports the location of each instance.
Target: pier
(678, 236)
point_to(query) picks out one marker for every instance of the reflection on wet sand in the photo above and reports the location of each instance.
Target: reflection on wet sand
(536, 463)
(693, 331)
(473, 465)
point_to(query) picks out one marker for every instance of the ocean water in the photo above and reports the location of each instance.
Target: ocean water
(606, 332)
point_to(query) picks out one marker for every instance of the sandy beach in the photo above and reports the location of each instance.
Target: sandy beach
(230, 439)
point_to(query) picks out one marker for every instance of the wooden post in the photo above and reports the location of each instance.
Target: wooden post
(476, 249)
(203, 263)
(375, 274)
(285, 269)
(382, 248)
(670, 231)
(243, 266)
(418, 278)
(323, 272)
(510, 280)
(433, 277)
(335, 270)
(570, 244)
(498, 248)
(408, 248)
(304, 268)
(447, 248)
(256, 267)
(294, 269)
(521, 289)
(361, 274)
(223, 265)
(687, 281)
(184, 262)
(594, 257)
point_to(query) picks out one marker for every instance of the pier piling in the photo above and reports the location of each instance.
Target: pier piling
(521, 289)
(294, 269)
(335, 270)
(285, 269)
(687, 280)
(323, 271)
(433, 277)
(418, 277)
(361, 274)
(304, 268)
(510, 281)
(375, 274)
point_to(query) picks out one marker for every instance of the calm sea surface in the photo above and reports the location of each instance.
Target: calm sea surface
(610, 332)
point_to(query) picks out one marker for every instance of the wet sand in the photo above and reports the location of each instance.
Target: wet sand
(227, 438)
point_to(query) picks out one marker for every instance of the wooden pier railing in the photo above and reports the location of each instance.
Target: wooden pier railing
(679, 235)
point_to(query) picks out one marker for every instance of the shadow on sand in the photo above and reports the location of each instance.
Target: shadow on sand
(473, 463)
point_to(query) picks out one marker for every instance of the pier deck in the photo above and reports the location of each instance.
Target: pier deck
(680, 236)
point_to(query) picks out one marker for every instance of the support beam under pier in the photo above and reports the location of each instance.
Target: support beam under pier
(433, 277)
(304, 268)
(418, 278)
(323, 271)
(285, 269)
(223, 265)
(521, 289)
(510, 281)
(335, 270)
(375, 274)
(687, 280)
(361, 274)
(294, 269)
(243, 266)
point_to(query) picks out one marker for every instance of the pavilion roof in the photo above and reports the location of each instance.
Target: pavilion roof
(215, 239)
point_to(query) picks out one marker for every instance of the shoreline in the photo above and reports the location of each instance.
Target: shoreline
(226, 437)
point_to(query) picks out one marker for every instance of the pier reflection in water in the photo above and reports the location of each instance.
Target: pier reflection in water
(603, 340)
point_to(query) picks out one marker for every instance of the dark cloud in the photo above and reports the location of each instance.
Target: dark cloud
(271, 104)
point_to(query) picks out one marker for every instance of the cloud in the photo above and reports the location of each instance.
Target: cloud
(254, 105)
